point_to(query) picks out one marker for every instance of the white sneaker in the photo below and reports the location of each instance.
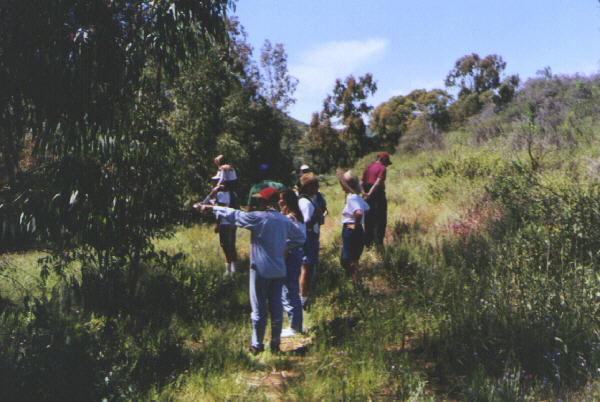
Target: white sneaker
(227, 269)
(232, 268)
(288, 332)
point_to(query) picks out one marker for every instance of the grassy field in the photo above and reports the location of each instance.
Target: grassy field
(485, 290)
(423, 328)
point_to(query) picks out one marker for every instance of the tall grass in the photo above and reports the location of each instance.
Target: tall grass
(486, 290)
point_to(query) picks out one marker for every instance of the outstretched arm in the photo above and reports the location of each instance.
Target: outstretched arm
(246, 220)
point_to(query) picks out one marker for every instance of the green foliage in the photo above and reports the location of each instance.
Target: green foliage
(480, 83)
(521, 293)
(89, 338)
(405, 114)
(472, 74)
(326, 147)
(220, 110)
(348, 105)
(548, 113)
(91, 99)
(112, 118)
(278, 86)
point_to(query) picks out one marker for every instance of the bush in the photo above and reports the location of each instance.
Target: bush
(512, 306)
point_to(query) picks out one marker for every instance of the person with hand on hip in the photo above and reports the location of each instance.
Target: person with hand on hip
(353, 218)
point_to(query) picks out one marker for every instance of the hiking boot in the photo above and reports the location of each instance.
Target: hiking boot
(275, 349)
(254, 350)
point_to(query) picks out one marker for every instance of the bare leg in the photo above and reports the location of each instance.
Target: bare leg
(305, 274)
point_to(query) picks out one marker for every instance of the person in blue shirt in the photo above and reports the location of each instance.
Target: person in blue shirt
(271, 235)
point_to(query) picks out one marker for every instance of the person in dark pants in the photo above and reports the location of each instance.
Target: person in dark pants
(224, 194)
(353, 217)
(373, 191)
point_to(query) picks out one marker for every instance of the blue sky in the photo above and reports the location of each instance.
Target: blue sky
(408, 45)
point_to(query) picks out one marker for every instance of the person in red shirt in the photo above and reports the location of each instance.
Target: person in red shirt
(373, 191)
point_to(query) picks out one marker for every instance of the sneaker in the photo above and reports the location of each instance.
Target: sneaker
(254, 350)
(232, 268)
(288, 332)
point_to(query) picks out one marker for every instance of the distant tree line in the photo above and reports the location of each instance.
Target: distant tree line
(338, 134)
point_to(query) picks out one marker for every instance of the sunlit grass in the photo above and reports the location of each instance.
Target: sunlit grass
(20, 275)
(420, 328)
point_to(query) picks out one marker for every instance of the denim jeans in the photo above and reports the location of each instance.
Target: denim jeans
(290, 295)
(263, 291)
(352, 243)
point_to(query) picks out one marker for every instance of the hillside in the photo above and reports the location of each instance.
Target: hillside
(486, 288)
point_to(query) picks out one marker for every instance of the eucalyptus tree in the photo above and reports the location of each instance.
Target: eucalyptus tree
(277, 85)
(394, 118)
(343, 112)
(84, 88)
(226, 104)
(480, 81)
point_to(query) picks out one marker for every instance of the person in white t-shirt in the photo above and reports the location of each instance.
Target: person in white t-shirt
(353, 219)
(312, 211)
(223, 194)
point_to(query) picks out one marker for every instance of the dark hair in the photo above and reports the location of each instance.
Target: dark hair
(291, 201)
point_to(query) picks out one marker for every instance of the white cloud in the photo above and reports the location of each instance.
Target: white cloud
(428, 85)
(319, 67)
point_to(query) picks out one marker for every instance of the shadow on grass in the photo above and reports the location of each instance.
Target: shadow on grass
(491, 352)
(90, 338)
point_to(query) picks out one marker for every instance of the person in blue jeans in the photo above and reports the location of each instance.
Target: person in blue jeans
(271, 234)
(288, 205)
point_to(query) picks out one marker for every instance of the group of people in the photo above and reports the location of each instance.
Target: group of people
(284, 243)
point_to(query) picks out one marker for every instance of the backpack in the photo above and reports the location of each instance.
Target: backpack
(322, 205)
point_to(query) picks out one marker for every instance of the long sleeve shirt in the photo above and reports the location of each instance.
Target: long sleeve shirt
(271, 234)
